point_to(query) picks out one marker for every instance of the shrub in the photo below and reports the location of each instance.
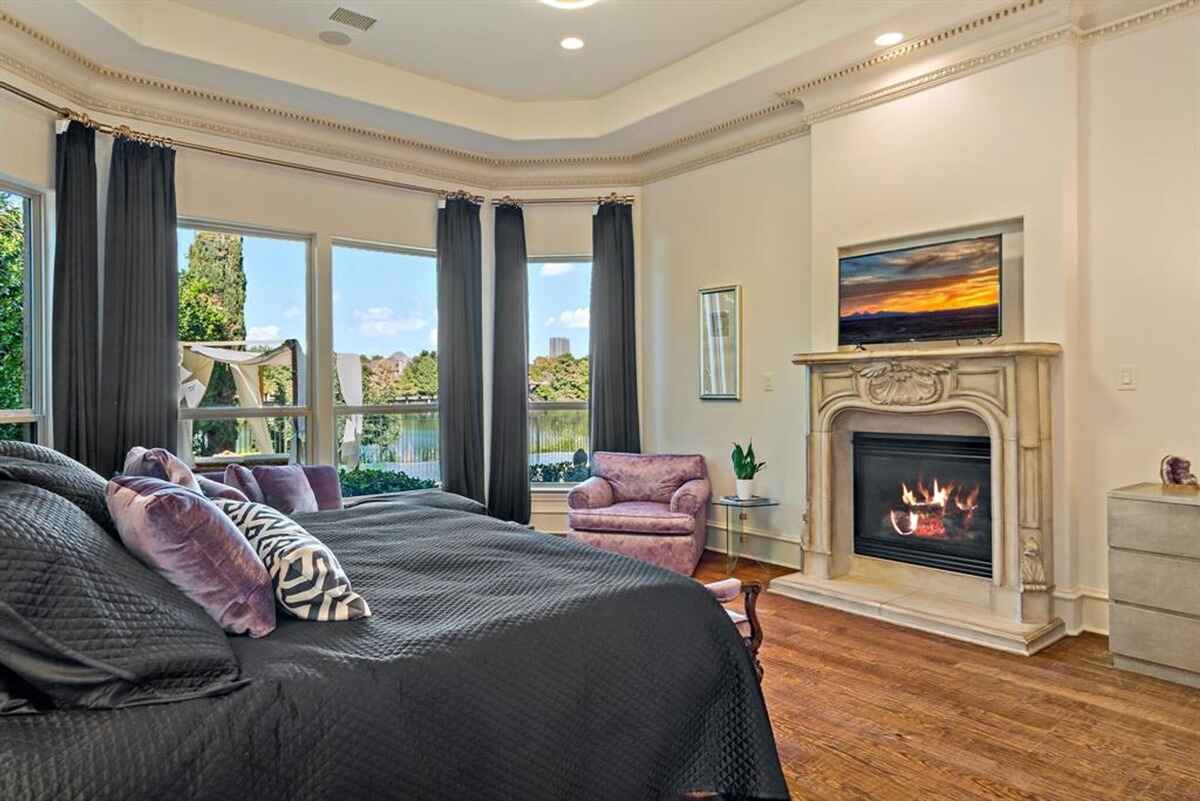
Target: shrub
(559, 473)
(365, 481)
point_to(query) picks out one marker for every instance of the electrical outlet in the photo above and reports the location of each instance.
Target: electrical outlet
(1127, 379)
(768, 381)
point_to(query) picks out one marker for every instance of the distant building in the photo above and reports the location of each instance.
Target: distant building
(560, 346)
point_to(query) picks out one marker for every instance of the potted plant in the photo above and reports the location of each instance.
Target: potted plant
(745, 468)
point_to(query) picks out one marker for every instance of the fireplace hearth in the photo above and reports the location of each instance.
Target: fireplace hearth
(924, 500)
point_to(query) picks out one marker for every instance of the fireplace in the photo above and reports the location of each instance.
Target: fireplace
(924, 500)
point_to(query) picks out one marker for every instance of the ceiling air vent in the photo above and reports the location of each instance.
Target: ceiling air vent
(352, 18)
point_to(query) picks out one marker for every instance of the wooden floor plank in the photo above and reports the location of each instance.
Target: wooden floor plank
(865, 710)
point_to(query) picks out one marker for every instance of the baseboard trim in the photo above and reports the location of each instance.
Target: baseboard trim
(1082, 608)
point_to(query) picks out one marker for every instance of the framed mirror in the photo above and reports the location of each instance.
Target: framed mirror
(721, 343)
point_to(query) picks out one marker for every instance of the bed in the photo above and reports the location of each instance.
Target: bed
(499, 663)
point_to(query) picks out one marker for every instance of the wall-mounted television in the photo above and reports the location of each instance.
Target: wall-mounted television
(946, 290)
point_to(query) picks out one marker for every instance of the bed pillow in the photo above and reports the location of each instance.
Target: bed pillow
(309, 582)
(67, 479)
(191, 543)
(159, 463)
(241, 479)
(85, 625)
(286, 488)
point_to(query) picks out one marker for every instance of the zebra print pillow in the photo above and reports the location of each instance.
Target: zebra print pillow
(309, 582)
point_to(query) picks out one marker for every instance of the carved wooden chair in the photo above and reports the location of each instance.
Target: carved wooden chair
(726, 592)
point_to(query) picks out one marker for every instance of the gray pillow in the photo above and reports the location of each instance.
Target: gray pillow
(86, 625)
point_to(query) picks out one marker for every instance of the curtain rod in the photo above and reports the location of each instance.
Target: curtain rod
(127, 132)
(539, 201)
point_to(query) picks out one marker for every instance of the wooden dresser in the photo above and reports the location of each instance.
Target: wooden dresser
(1154, 581)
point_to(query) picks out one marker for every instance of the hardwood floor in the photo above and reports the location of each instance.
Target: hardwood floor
(866, 710)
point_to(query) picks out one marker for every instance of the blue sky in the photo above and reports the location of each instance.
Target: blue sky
(385, 301)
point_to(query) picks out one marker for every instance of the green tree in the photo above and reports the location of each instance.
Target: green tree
(383, 385)
(420, 377)
(12, 309)
(212, 308)
(558, 378)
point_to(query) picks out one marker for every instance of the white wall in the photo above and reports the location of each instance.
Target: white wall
(744, 221)
(1139, 292)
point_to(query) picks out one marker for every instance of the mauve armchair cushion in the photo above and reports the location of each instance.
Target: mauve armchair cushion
(594, 493)
(692, 497)
(647, 477)
(633, 517)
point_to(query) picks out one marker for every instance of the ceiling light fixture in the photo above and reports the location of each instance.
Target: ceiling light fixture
(569, 5)
(889, 39)
(335, 38)
(571, 43)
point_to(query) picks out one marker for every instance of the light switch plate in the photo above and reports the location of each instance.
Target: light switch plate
(1127, 378)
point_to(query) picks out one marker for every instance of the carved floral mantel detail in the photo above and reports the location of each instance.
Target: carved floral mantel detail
(904, 383)
(927, 390)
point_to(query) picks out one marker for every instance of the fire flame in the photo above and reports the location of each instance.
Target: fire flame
(925, 509)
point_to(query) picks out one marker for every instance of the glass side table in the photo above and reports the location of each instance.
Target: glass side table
(737, 509)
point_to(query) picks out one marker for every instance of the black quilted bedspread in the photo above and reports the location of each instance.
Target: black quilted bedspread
(498, 664)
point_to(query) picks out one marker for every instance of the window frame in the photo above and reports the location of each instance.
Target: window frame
(37, 316)
(303, 411)
(368, 410)
(532, 405)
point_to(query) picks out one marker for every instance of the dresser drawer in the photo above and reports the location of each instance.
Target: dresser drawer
(1165, 528)
(1147, 579)
(1152, 636)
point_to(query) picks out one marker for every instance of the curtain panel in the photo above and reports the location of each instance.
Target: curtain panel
(75, 322)
(613, 351)
(460, 347)
(139, 378)
(508, 478)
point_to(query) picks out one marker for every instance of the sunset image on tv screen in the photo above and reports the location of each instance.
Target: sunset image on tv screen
(950, 290)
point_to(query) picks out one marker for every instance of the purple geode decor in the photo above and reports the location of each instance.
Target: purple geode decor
(1177, 472)
(187, 540)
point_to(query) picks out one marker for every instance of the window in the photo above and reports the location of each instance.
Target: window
(385, 338)
(20, 298)
(559, 301)
(243, 329)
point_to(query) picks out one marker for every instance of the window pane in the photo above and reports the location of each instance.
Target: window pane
(260, 440)
(243, 320)
(559, 319)
(14, 317)
(384, 326)
(22, 432)
(388, 452)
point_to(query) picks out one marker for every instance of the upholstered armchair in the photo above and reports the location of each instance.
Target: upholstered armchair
(650, 507)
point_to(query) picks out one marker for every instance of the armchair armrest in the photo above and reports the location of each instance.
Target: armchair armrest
(692, 496)
(595, 493)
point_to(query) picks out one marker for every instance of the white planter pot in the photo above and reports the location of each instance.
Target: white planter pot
(745, 488)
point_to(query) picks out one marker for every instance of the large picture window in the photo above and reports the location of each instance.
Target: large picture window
(21, 413)
(385, 339)
(559, 320)
(243, 333)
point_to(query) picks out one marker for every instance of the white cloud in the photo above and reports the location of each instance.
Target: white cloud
(433, 338)
(292, 312)
(570, 318)
(381, 321)
(262, 333)
(551, 269)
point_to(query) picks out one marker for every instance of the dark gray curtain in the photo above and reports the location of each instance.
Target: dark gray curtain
(75, 327)
(460, 348)
(508, 479)
(139, 372)
(614, 401)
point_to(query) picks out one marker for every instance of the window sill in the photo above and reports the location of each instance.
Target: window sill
(547, 488)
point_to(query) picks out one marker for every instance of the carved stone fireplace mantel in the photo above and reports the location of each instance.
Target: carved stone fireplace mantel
(999, 391)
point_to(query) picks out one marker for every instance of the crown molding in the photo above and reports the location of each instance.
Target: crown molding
(784, 119)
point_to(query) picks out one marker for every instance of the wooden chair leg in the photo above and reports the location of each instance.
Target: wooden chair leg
(754, 641)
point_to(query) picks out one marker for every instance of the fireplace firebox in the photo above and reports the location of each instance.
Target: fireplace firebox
(925, 500)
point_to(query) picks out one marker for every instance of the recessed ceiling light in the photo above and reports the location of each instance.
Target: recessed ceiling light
(335, 38)
(889, 39)
(571, 43)
(570, 5)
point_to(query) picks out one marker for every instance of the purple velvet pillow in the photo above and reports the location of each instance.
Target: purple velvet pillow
(191, 543)
(286, 488)
(215, 489)
(241, 479)
(159, 463)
